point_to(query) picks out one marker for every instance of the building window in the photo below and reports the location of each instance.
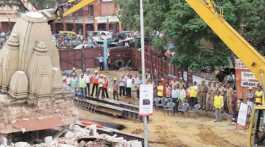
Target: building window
(90, 10)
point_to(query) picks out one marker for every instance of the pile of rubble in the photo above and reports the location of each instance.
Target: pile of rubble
(76, 136)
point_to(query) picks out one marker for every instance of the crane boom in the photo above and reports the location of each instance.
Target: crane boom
(238, 45)
(77, 7)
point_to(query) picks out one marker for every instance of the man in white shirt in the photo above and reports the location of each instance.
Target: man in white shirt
(68, 80)
(87, 77)
(101, 62)
(122, 84)
(129, 85)
(137, 83)
(175, 93)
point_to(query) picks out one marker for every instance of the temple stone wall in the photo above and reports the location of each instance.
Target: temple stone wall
(59, 105)
(31, 83)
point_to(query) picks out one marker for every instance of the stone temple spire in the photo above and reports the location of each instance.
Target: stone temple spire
(9, 61)
(31, 83)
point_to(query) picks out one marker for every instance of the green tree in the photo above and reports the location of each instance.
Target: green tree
(196, 46)
(252, 21)
(129, 14)
(154, 14)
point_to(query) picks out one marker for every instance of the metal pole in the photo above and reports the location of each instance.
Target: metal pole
(82, 59)
(105, 54)
(142, 40)
(143, 68)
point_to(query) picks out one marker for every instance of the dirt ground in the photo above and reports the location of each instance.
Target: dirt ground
(177, 131)
(180, 131)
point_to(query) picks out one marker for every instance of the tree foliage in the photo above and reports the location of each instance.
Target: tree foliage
(196, 46)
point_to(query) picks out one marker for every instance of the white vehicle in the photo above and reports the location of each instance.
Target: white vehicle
(86, 44)
(81, 46)
(100, 35)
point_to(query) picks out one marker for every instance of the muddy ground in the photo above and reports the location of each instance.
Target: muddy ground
(181, 131)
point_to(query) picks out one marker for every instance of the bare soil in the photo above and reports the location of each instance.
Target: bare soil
(177, 131)
(180, 131)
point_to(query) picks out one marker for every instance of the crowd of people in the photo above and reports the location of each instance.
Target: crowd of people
(94, 84)
(211, 96)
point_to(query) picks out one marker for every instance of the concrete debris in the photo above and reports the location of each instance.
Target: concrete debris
(21, 144)
(76, 136)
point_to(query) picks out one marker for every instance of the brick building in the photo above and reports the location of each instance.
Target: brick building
(8, 14)
(100, 16)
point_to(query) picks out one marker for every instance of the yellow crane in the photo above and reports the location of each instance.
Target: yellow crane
(75, 7)
(245, 52)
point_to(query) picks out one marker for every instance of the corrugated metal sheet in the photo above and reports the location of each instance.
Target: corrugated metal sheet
(156, 64)
(70, 58)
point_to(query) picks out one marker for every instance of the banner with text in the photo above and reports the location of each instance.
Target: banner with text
(146, 99)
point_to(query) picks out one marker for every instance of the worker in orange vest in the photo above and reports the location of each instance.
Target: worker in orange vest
(95, 80)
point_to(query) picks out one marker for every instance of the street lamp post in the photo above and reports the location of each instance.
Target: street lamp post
(143, 68)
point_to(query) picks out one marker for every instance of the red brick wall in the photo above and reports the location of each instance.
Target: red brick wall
(155, 63)
(104, 8)
(70, 58)
(124, 54)
(107, 9)
(97, 8)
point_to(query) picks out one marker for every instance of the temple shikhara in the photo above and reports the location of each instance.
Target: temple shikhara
(30, 78)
